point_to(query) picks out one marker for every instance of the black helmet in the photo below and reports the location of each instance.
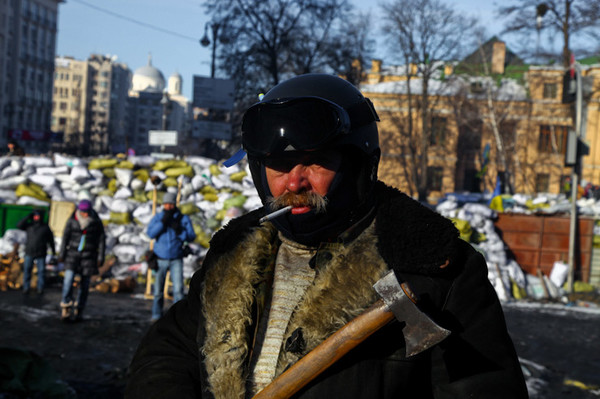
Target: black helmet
(312, 112)
(309, 112)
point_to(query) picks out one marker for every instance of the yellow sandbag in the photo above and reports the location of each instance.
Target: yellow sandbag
(31, 190)
(189, 208)
(106, 192)
(142, 174)
(170, 182)
(238, 176)
(109, 172)
(112, 185)
(202, 237)
(101, 163)
(208, 190)
(163, 164)
(139, 196)
(464, 228)
(175, 172)
(236, 201)
(125, 164)
(531, 206)
(496, 204)
(211, 197)
(221, 214)
(214, 169)
(120, 217)
(517, 292)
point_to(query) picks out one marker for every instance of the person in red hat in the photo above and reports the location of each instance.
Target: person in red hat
(82, 250)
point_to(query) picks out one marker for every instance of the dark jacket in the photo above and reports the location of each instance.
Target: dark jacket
(170, 235)
(39, 237)
(201, 347)
(84, 260)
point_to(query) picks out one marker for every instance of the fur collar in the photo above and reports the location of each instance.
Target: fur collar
(341, 291)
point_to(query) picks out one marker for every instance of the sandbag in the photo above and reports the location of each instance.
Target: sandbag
(188, 208)
(60, 160)
(141, 174)
(137, 184)
(123, 193)
(175, 172)
(31, 190)
(238, 176)
(79, 173)
(123, 176)
(102, 163)
(125, 164)
(108, 172)
(163, 164)
(120, 217)
(38, 161)
(235, 201)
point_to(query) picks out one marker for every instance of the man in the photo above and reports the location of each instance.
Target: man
(14, 149)
(82, 250)
(172, 230)
(270, 292)
(39, 238)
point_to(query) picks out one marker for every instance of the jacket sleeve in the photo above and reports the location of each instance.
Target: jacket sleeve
(101, 244)
(166, 363)
(65, 240)
(50, 237)
(155, 227)
(188, 232)
(25, 222)
(478, 359)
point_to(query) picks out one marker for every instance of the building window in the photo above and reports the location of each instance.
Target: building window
(552, 139)
(63, 106)
(438, 131)
(542, 182)
(434, 178)
(550, 90)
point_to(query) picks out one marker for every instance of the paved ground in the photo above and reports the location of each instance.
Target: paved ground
(558, 344)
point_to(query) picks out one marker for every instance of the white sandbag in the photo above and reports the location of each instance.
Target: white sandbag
(96, 173)
(12, 182)
(479, 209)
(252, 203)
(199, 161)
(60, 160)
(26, 200)
(17, 163)
(122, 206)
(198, 181)
(28, 170)
(159, 173)
(9, 171)
(6, 247)
(15, 236)
(127, 253)
(134, 239)
(64, 178)
(123, 176)
(4, 162)
(142, 160)
(559, 273)
(55, 193)
(221, 181)
(122, 193)
(43, 180)
(70, 196)
(8, 196)
(143, 213)
(38, 161)
(56, 170)
(106, 200)
(80, 173)
(116, 230)
(137, 184)
(516, 273)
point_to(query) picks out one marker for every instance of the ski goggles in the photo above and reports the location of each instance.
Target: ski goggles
(299, 124)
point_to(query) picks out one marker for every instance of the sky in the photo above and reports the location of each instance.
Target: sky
(170, 31)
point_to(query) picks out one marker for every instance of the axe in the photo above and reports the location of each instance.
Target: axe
(397, 301)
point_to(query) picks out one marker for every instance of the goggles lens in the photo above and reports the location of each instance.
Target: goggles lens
(303, 123)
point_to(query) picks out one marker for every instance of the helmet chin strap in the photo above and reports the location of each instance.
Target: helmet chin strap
(343, 210)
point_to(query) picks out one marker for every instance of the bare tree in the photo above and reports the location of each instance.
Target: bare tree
(270, 40)
(424, 34)
(568, 18)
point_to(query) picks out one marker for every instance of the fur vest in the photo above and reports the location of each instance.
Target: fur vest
(237, 284)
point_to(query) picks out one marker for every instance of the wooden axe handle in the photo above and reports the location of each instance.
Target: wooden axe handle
(328, 352)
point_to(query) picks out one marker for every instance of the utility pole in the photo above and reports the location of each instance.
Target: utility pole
(575, 73)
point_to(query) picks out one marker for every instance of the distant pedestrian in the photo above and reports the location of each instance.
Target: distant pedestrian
(15, 149)
(172, 230)
(82, 250)
(39, 238)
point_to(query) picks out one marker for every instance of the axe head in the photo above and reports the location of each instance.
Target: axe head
(420, 332)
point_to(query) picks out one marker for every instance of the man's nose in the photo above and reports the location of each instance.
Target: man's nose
(297, 180)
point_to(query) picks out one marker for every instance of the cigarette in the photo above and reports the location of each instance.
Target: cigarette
(275, 214)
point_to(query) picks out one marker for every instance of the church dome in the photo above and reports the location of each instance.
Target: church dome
(148, 78)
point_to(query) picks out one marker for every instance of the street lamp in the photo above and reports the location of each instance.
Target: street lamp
(205, 42)
(164, 101)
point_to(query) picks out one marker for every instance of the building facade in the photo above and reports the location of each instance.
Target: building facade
(89, 104)
(510, 124)
(27, 49)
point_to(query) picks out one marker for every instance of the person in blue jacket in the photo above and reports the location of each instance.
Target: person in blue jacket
(171, 230)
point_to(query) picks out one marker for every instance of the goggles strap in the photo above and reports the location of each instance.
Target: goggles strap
(362, 113)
